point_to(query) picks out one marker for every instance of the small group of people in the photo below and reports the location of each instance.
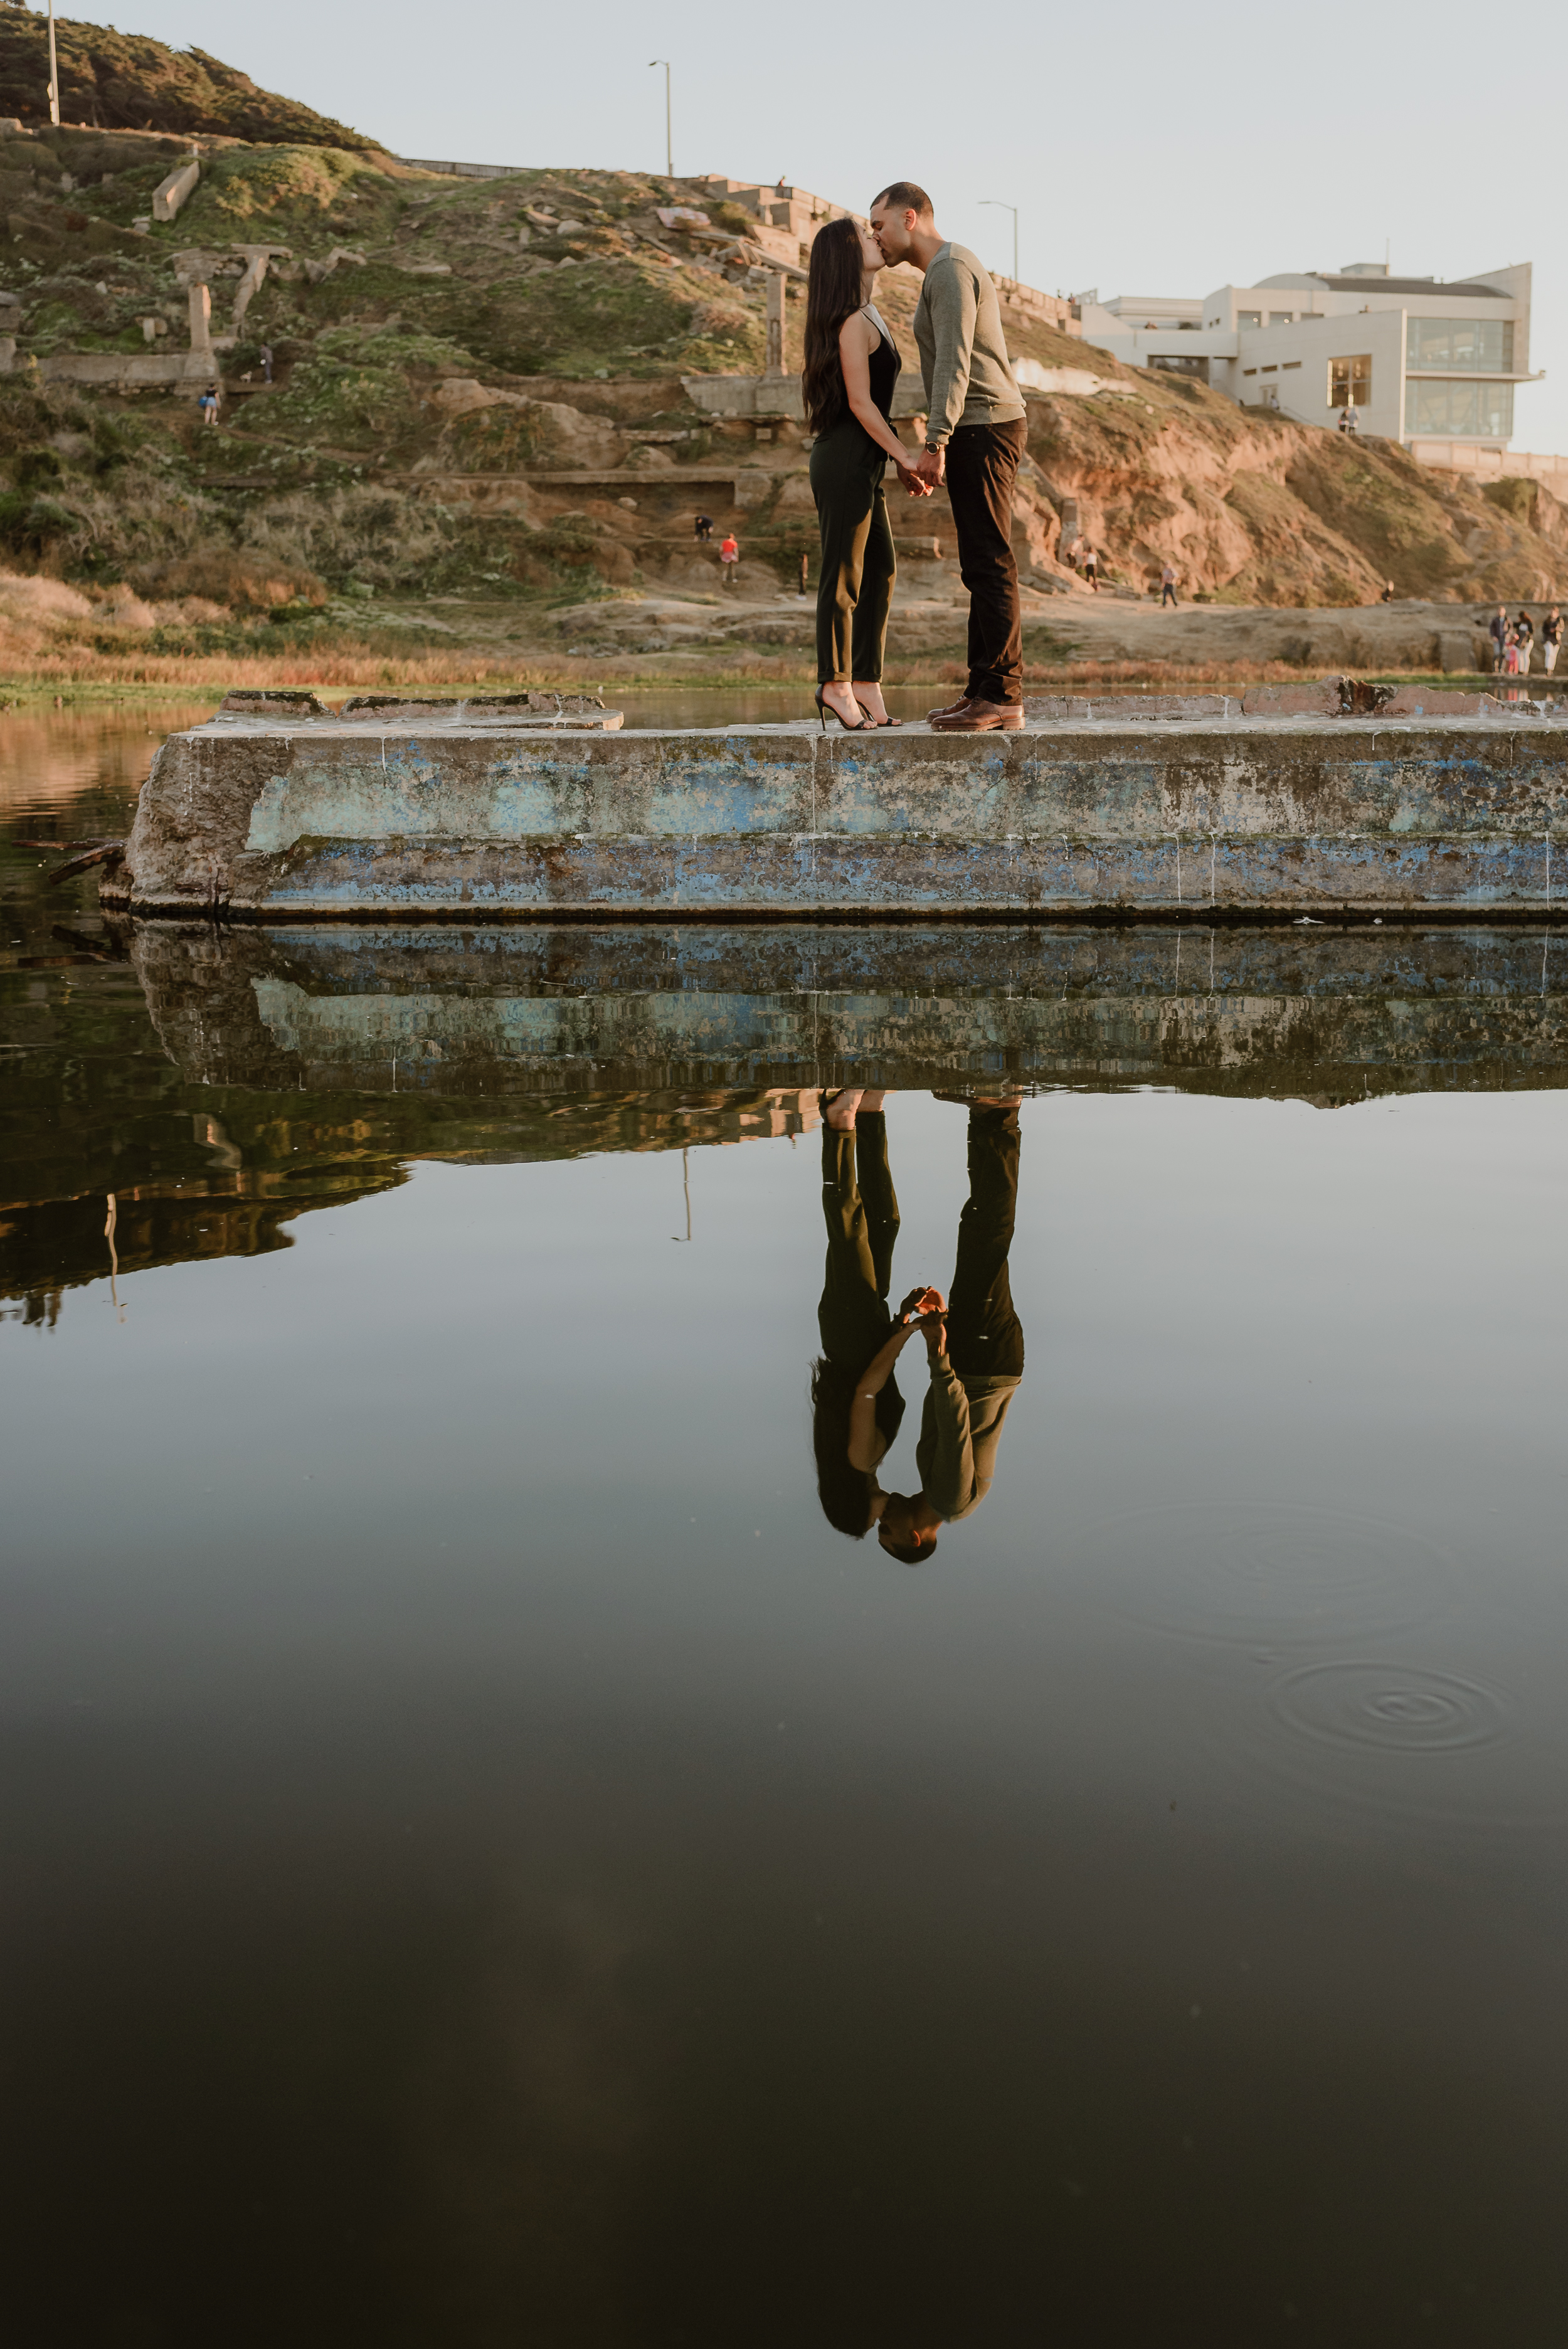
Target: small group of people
(973, 1340)
(1513, 641)
(1081, 557)
(973, 441)
(729, 548)
(1347, 422)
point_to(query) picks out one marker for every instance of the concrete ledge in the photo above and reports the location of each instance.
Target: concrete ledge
(325, 818)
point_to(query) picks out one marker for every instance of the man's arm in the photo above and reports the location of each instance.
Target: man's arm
(951, 296)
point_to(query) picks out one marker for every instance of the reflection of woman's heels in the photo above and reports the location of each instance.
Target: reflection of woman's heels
(864, 726)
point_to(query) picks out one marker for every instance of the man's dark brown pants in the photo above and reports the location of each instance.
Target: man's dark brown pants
(982, 465)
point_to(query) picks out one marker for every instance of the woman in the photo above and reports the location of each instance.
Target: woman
(848, 382)
(856, 1406)
(1525, 630)
(1551, 637)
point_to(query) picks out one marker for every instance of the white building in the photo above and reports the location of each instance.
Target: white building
(1424, 360)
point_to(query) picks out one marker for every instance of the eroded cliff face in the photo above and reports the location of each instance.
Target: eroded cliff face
(1253, 509)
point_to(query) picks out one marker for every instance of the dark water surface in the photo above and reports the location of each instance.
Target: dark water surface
(486, 1863)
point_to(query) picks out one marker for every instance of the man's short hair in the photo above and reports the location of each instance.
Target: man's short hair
(905, 197)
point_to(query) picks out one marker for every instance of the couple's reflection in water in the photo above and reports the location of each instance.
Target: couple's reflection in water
(972, 1339)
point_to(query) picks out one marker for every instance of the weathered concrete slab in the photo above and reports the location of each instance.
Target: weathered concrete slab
(475, 817)
(530, 1008)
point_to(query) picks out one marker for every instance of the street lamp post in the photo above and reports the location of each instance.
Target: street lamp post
(54, 73)
(998, 205)
(669, 136)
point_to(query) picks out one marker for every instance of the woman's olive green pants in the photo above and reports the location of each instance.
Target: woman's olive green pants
(854, 592)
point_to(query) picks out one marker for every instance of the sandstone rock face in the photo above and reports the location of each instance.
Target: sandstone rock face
(546, 432)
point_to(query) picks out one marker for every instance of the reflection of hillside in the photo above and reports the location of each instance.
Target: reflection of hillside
(220, 1082)
(93, 1106)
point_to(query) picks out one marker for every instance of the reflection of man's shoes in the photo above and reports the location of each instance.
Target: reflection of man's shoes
(981, 717)
(985, 1101)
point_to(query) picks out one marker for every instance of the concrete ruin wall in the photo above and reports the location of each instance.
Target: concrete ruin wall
(460, 816)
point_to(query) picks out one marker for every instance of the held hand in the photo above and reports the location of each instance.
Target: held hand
(931, 466)
(911, 481)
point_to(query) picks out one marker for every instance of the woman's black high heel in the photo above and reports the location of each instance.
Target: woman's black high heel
(875, 721)
(822, 708)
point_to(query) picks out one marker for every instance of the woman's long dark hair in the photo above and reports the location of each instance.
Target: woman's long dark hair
(834, 292)
(844, 1492)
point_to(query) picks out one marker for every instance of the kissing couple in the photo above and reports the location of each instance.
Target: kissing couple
(975, 437)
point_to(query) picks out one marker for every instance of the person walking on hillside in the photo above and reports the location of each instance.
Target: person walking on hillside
(1497, 629)
(702, 526)
(729, 558)
(1091, 568)
(851, 365)
(1551, 637)
(266, 359)
(1524, 632)
(974, 437)
(1168, 585)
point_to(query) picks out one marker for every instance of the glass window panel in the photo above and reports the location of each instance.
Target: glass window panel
(1482, 411)
(1350, 381)
(1482, 343)
(1281, 318)
(1249, 317)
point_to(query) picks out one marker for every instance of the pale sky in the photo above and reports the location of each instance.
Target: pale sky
(1150, 149)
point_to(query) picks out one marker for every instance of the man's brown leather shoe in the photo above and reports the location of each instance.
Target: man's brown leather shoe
(950, 710)
(980, 717)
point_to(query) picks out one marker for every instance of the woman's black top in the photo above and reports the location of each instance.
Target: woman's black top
(883, 366)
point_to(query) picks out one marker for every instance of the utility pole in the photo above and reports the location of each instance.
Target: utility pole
(669, 138)
(997, 205)
(54, 73)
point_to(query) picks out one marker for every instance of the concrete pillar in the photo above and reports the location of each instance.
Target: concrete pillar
(775, 327)
(201, 317)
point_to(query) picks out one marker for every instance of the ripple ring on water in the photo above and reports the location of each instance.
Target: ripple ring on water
(1392, 1708)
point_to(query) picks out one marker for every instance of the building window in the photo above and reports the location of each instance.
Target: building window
(1249, 317)
(1350, 381)
(1287, 365)
(1485, 343)
(1271, 370)
(1481, 412)
(1282, 317)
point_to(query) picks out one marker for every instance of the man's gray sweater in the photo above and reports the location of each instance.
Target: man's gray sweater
(963, 353)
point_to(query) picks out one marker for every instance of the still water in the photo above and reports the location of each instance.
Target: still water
(486, 1861)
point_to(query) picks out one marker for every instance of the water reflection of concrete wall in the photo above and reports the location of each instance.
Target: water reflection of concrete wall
(1325, 1016)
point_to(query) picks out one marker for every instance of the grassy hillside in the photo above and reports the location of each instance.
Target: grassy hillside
(436, 340)
(122, 81)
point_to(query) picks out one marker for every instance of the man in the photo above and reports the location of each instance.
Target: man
(974, 1348)
(1551, 637)
(1168, 585)
(975, 437)
(1498, 631)
(703, 526)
